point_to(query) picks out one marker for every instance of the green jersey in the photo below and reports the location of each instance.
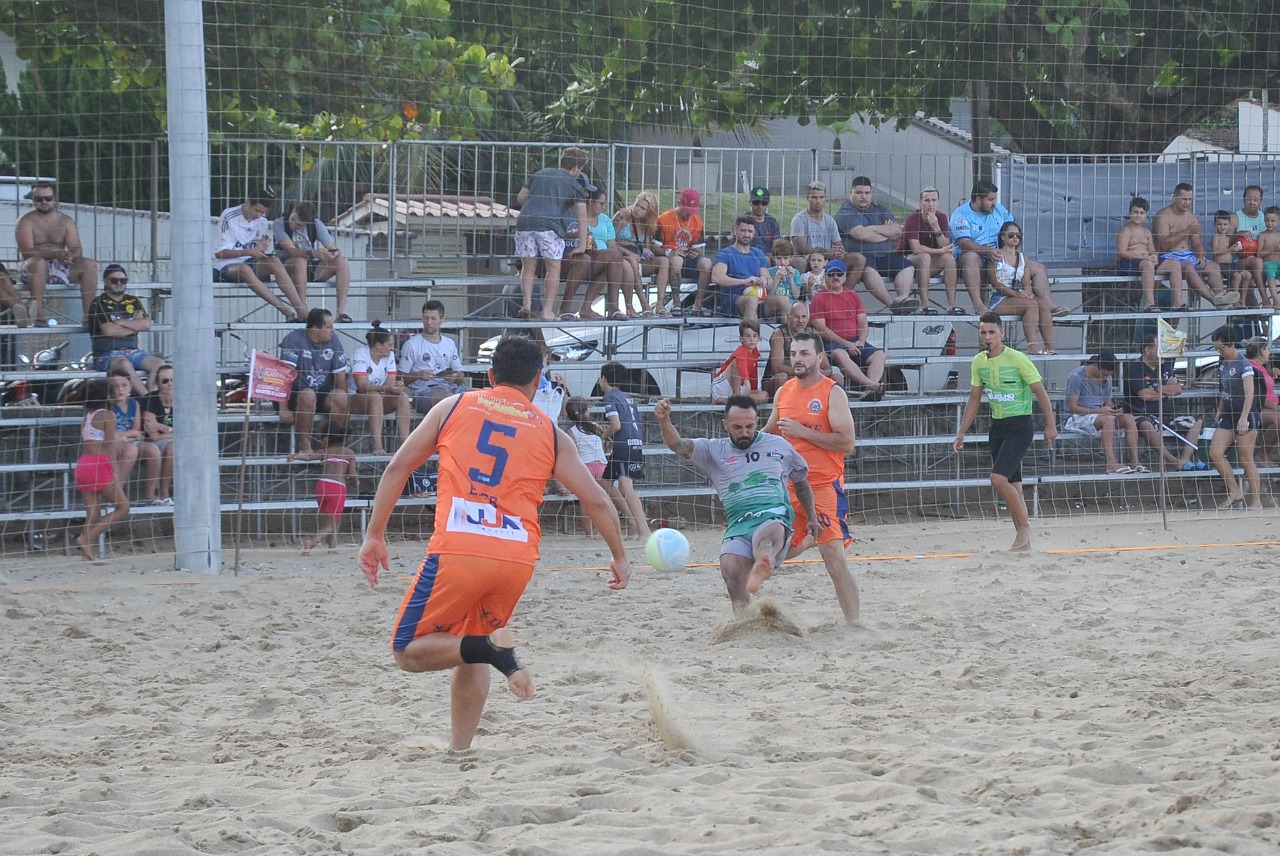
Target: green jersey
(751, 482)
(1007, 380)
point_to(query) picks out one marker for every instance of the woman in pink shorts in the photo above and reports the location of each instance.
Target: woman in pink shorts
(95, 472)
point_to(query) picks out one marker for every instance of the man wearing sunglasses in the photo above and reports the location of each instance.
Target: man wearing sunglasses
(51, 255)
(114, 320)
(767, 228)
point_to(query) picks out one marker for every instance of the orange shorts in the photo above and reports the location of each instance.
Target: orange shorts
(832, 507)
(461, 596)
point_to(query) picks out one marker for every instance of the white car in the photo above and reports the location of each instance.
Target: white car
(676, 357)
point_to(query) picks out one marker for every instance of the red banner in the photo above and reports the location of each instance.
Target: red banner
(270, 379)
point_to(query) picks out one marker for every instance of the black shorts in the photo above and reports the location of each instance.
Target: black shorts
(625, 462)
(1228, 421)
(322, 398)
(1009, 439)
(888, 264)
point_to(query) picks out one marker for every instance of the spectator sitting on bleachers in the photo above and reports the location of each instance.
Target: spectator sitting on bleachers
(741, 275)
(603, 266)
(1249, 221)
(926, 242)
(872, 231)
(814, 230)
(430, 362)
(321, 384)
(1237, 269)
(114, 321)
(814, 276)
(1258, 352)
(50, 253)
(1091, 410)
(784, 279)
(841, 321)
(374, 386)
(1136, 256)
(740, 373)
(780, 369)
(680, 233)
(310, 254)
(976, 227)
(157, 426)
(131, 444)
(768, 231)
(1180, 238)
(1147, 380)
(636, 234)
(242, 253)
(1269, 248)
(1012, 294)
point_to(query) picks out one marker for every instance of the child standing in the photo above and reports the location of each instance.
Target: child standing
(589, 437)
(1136, 254)
(95, 475)
(337, 470)
(626, 458)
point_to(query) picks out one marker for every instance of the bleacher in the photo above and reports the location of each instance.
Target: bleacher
(904, 463)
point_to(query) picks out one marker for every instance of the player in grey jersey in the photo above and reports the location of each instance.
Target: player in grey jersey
(749, 470)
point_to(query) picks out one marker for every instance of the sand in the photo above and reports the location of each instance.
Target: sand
(1063, 701)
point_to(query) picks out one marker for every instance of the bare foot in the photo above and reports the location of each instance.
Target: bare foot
(84, 548)
(1021, 541)
(377, 451)
(760, 571)
(307, 544)
(520, 681)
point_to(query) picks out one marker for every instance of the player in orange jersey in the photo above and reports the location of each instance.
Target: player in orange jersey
(812, 411)
(497, 452)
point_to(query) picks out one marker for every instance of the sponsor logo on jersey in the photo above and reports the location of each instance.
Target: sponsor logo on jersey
(478, 518)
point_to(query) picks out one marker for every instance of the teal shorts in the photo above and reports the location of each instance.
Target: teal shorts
(1271, 269)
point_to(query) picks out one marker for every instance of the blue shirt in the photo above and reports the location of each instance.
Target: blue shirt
(741, 265)
(982, 229)
(618, 403)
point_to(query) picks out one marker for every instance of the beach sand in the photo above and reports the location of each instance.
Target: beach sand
(1117, 701)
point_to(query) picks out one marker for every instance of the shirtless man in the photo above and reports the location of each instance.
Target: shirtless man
(50, 251)
(1179, 237)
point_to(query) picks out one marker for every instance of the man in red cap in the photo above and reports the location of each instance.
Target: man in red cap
(680, 231)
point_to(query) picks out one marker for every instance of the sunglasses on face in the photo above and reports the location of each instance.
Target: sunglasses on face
(835, 274)
(1017, 235)
(43, 198)
(117, 280)
(165, 380)
(758, 202)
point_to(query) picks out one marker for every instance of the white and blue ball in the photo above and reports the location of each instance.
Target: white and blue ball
(667, 550)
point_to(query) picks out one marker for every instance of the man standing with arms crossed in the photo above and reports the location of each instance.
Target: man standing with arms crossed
(812, 412)
(748, 470)
(497, 452)
(1010, 381)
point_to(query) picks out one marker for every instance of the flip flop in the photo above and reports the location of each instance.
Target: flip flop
(1059, 311)
(568, 316)
(929, 311)
(1123, 471)
(344, 318)
(524, 314)
(957, 311)
(1139, 469)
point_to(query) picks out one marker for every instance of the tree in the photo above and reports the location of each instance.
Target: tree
(311, 69)
(1065, 76)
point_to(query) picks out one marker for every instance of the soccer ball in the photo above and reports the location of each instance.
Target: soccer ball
(1248, 243)
(667, 550)
(756, 291)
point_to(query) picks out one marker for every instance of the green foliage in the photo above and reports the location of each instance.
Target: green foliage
(318, 69)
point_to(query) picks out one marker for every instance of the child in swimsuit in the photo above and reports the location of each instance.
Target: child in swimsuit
(95, 472)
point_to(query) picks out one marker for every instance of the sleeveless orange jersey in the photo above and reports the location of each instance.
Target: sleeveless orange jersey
(496, 453)
(809, 407)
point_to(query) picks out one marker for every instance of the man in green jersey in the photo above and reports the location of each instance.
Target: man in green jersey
(749, 470)
(1010, 381)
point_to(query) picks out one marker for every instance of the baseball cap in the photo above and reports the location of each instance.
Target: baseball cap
(760, 194)
(689, 198)
(586, 183)
(835, 264)
(1106, 361)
